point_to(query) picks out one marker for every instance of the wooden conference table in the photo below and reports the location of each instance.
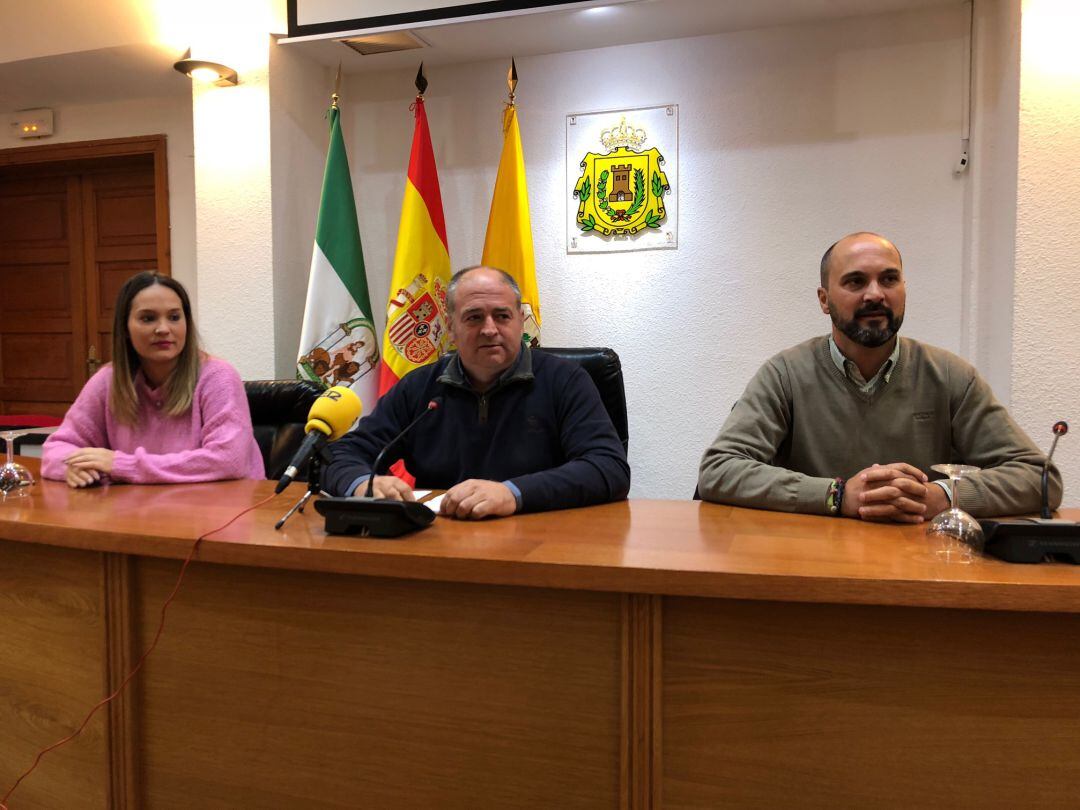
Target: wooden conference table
(641, 654)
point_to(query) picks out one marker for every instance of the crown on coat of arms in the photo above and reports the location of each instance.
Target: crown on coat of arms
(622, 135)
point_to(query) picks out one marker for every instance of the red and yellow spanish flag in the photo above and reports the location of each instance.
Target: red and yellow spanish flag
(508, 244)
(417, 329)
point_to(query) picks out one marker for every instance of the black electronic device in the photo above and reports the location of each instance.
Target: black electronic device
(373, 517)
(1032, 540)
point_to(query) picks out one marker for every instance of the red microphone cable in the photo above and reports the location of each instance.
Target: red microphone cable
(142, 658)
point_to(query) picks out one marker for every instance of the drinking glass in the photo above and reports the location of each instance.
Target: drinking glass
(15, 479)
(957, 536)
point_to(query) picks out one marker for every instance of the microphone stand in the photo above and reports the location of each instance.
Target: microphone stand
(378, 517)
(1032, 540)
(314, 486)
(1060, 429)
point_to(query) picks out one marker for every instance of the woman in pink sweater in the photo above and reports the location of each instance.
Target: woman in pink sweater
(162, 412)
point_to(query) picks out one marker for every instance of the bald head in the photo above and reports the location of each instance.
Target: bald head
(495, 272)
(486, 323)
(863, 292)
(841, 246)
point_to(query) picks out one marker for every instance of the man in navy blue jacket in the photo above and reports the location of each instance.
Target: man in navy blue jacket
(516, 430)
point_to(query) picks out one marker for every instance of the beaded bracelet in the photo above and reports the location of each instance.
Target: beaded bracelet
(834, 497)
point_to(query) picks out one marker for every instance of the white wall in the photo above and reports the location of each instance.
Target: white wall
(299, 98)
(149, 116)
(234, 229)
(991, 201)
(234, 195)
(789, 138)
(1046, 317)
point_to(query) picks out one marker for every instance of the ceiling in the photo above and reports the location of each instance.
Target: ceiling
(598, 26)
(92, 77)
(66, 57)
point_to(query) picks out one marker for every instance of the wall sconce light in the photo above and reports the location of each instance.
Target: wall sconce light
(203, 71)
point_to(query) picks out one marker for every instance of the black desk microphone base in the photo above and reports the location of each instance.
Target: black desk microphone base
(373, 517)
(1032, 540)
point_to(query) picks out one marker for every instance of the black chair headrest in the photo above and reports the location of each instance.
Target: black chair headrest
(604, 367)
(280, 401)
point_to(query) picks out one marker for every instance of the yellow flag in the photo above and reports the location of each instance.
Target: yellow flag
(508, 244)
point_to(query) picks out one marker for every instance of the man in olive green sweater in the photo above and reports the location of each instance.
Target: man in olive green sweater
(851, 423)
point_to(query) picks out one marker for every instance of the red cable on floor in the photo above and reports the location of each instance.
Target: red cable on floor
(142, 659)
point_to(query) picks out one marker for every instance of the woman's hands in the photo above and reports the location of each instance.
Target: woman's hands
(86, 466)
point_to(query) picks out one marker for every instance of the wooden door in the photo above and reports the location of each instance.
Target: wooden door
(119, 240)
(42, 323)
(71, 232)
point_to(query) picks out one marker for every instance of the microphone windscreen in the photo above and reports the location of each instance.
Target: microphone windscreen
(334, 412)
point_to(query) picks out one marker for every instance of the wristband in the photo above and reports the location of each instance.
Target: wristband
(834, 497)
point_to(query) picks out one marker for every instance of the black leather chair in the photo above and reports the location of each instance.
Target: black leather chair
(606, 371)
(279, 411)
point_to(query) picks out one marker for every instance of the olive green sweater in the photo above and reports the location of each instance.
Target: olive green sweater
(801, 423)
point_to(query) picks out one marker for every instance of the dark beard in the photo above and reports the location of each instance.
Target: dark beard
(868, 336)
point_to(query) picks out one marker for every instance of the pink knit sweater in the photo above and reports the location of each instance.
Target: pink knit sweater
(210, 442)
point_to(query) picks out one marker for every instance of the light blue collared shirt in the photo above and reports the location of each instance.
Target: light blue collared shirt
(851, 371)
(510, 485)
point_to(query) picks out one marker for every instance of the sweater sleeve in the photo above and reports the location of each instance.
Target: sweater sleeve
(225, 442)
(83, 426)
(738, 468)
(596, 470)
(354, 453)
(1009, 481)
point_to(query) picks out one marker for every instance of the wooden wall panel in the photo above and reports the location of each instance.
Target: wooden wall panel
(777, 704)
(282, 689)
(641, 692)
(111, 277)
(34, 212)
(126, 215)
(121, 240)
(35, 406)
(43, 358)
(35, 291)
(51, 672)
(42, 340)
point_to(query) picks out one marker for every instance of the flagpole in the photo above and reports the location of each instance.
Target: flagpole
(337, 89)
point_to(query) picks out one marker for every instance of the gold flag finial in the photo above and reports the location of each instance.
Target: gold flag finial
(337, 89)
(512, 80)
(421, 81)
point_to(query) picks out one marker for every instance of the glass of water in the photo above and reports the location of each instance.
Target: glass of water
(15, 479)
(956, 535)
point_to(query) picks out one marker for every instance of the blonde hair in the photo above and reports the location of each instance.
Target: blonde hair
(180, 386)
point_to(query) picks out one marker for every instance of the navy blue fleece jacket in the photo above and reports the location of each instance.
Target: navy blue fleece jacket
(542, 427)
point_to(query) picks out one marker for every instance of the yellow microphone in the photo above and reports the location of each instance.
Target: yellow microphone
(330, 417)
(334, 412)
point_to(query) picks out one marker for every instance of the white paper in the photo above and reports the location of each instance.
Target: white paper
(434, 503)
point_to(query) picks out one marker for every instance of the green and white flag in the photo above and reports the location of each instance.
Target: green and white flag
(337, 343)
